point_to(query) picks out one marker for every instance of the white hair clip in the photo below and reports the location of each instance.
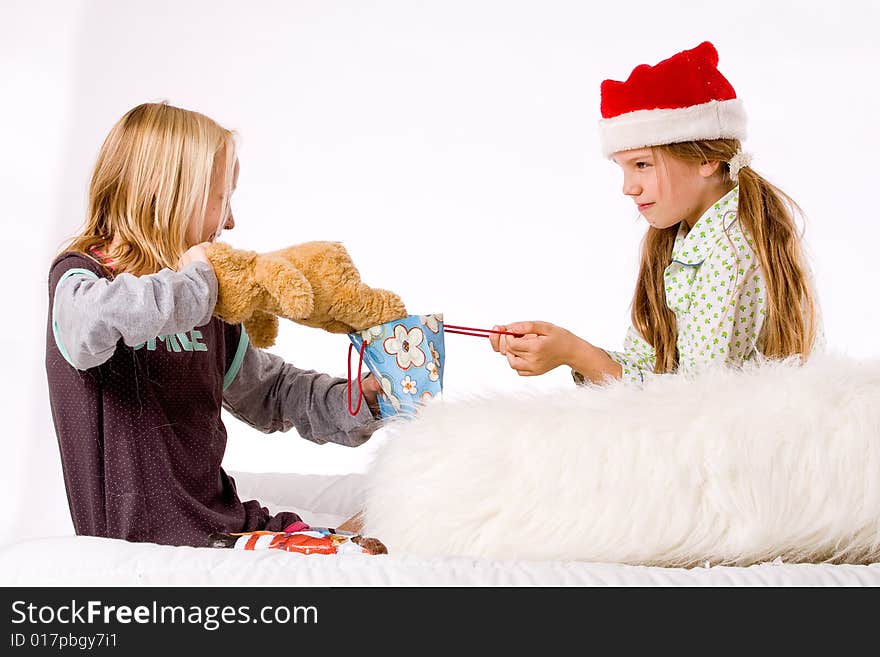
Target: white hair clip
(737, 162)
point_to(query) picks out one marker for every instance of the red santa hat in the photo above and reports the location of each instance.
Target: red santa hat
(683, 98)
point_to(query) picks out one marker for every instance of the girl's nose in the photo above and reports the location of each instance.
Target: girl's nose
(631, 187)
(230, 222)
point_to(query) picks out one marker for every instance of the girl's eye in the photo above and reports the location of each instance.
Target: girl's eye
(642, 165)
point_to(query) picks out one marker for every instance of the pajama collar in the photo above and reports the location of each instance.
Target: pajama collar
(693, 246)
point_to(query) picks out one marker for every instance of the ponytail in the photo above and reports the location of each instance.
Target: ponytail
(766, 213)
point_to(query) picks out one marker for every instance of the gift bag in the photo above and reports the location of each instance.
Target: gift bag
(406, 357)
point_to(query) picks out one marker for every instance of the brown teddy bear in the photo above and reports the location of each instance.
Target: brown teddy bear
(315, 284)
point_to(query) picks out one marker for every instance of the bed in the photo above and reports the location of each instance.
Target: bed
(327, 500)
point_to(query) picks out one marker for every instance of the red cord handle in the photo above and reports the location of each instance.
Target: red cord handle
(476, 332)
(360, 385)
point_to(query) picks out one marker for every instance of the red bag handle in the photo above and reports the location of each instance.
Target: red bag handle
(476, 332)
(360, 385)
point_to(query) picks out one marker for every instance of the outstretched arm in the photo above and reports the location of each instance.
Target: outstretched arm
(90, 314)
(270, 395)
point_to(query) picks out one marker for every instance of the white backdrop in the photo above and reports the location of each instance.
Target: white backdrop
(452, 147)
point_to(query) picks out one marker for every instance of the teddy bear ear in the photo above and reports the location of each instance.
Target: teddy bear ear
(262, 329)
(287, 285)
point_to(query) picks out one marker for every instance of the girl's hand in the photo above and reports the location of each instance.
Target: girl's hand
(542, 348)
(371, 389)
(195, 253)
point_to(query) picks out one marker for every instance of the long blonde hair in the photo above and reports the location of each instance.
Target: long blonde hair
(151, 179)
(766, 214)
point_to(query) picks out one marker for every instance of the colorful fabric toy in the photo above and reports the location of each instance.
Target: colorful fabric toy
(302, 539)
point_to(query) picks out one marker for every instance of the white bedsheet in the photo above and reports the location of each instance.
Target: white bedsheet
(323, 500)
(89, 561)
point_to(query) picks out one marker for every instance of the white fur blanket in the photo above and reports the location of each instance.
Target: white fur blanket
(727, 467)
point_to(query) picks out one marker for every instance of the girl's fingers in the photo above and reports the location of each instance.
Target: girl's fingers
(520, 364)
(495, 339)
(535, 328)
(520, 346)
(517, 362)
(507, 344)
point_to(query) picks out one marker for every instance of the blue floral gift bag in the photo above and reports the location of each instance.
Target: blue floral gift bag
(406, 357)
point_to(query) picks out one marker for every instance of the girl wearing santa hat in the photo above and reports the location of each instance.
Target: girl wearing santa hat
(722, 275)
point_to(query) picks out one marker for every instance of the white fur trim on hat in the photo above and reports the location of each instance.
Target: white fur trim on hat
(717, 119)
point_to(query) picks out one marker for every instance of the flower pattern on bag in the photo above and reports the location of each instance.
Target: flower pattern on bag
(372, 334)
(409, 386)
(432, 322)
(388, 391)
(404, 345)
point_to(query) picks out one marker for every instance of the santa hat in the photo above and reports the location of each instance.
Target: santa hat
(683, 98)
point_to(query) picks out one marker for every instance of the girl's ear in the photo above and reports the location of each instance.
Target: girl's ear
(708, 169)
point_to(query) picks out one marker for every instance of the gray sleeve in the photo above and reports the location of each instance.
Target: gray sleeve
(91, 314)
(270, 395)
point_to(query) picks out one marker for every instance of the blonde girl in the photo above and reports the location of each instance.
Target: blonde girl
(722, 275)
(137, 367)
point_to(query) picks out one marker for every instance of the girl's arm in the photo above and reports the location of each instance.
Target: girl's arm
(270, 395)
(91, 314)
(592, 363)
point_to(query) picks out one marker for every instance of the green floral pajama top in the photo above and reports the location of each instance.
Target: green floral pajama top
(715, 287)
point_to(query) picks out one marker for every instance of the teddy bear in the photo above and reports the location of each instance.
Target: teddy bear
(315, 284)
